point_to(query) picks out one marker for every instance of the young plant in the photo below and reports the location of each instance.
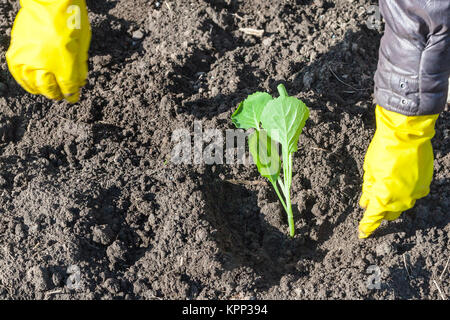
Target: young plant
(281, 121)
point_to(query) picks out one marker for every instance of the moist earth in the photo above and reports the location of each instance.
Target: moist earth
(92, 205)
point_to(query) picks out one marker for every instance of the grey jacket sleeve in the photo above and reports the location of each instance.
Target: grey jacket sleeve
(414, 57)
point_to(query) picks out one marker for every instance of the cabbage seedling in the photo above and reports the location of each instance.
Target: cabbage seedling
(281, 121)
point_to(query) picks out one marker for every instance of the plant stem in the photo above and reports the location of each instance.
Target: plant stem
(290, 170)
(287, 172)
(288, 198)
(285, 167)
(280, 182)
(282, 90)
(290, 216)
(279, 195)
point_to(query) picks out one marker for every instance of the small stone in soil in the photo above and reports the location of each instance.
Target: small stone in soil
(138, 35)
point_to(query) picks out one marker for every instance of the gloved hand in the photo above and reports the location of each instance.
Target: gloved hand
(398, 167)
(49, 47)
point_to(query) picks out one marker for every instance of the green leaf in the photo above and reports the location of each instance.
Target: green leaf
(284, 118)
(248, 113)
(265, 155)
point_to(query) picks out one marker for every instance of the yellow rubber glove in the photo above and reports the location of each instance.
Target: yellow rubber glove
(49, 47)
(398, 167)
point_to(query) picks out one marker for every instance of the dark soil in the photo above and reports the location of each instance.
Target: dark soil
(92, 185)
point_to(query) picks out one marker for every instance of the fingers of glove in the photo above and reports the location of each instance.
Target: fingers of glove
(37, 81)
(22, 75)
(73, 97)
(70, 91)
(364, 200)
(370, 222)
(46, 84)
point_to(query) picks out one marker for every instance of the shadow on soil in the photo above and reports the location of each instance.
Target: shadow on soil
(245, 238)
(408, 284)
